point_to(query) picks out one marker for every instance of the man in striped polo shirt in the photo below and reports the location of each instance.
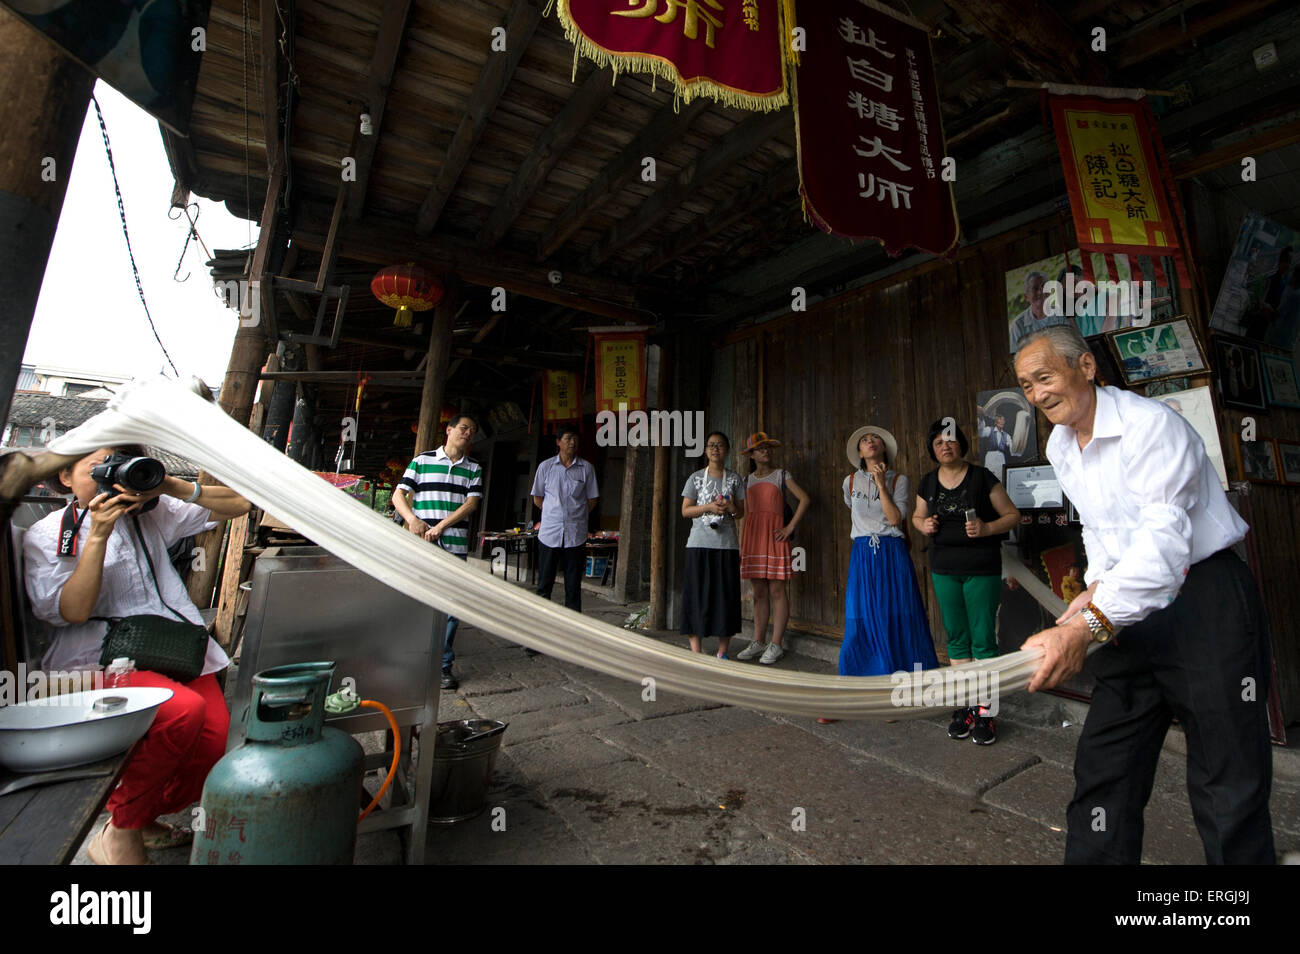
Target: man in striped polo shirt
(444, 488)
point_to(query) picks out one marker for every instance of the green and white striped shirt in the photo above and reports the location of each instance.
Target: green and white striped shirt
(438, 485)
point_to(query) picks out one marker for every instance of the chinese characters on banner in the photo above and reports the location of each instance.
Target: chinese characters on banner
(727, 49)
(560, 397)
(620, 371)
(870, 141)
(1119, 192)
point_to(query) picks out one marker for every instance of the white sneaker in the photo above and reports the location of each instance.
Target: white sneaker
(752, 651)
(772, 654)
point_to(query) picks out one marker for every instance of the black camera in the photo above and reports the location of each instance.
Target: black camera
(137, 474)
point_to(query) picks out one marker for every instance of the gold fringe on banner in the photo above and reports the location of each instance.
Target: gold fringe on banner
(788, 24)
(661, 68)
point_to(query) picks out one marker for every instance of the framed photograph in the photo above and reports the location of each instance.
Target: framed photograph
(1289, 452)
(1280, 379)
(1241, 380)
(1007, 429)
(1034, 488)
(1166, 350)
(1260, 294)
(1259, 460)
(1197, 408)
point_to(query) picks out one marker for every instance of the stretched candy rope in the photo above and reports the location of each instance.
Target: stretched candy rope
(166, 414)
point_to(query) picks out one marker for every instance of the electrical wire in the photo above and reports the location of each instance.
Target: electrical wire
(121, 211)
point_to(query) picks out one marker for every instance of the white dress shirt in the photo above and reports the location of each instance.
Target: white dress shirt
(1150, 503)
(126, 588)
(564, 492)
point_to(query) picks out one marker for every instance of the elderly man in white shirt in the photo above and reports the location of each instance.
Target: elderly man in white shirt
(1158, 531)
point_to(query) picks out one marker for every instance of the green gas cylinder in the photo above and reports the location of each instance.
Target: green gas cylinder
(290, 795)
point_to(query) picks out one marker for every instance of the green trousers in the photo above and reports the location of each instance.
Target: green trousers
(970, 608)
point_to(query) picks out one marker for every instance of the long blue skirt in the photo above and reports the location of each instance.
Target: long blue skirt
(885, 627)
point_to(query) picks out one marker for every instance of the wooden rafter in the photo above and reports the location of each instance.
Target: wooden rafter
(269, 29)
(521, 21)
(1037, 39)
(666, 126)
(388, 42)
(713, 162)
(547, 151)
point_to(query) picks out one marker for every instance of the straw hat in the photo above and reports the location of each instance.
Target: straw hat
(851, 447)
(759, 439)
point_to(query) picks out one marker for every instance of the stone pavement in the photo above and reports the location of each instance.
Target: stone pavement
(590, 773)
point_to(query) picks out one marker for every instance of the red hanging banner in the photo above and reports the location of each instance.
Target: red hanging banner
(561, 400)
(620, 371)
(1121, 195)
(729, 50)
(869, 132)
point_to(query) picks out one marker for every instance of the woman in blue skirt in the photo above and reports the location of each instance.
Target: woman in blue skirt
(885, 627)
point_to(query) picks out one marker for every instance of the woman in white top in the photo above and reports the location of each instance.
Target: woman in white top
(713, 499)
(103, 572)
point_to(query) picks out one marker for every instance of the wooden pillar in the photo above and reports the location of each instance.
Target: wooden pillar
(657, 618)
(427, 435)
(45, 94)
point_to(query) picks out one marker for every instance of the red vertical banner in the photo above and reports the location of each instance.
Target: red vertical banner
(561, 400)
(868, 127)
(620, 371)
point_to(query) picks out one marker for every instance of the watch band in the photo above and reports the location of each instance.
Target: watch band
(1099, 631)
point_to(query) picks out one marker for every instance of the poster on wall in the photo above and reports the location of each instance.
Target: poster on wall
(1052, 290)
(1158, 351)
(1197, 408)
(1008, 432)
(1035, 488)
(1241, 382)
(1280, 376)
(147, 50)
(1260, 294)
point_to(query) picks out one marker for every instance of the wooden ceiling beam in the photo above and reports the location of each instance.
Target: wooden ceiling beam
(383, 63)
(269, 29)
(1037, 39)
(546, 153)
(722, 157)
(521, 21)
(666, 126)
(781, 182)
(1142, 47)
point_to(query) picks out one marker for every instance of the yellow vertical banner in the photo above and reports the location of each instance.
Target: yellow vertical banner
(620, 371)
(560, 398)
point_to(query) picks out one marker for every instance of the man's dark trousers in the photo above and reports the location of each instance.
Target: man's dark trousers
(1204, 659)
(573, 560)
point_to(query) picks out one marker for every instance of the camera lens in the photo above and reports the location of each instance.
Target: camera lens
(140, 474)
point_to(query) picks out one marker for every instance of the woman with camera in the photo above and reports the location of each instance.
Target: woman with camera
(104, 558)
(713, 499)
(885, 628)
(966, 513)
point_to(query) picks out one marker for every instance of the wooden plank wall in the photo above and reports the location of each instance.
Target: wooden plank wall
(901, 356)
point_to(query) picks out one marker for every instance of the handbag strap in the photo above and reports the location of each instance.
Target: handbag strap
(135, 522)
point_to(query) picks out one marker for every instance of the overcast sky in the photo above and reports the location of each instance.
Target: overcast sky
(89, 316)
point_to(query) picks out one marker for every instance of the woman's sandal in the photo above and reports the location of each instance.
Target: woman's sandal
(97, 851)
(172, 836)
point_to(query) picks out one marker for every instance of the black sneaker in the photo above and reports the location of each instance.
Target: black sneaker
(962, 720)
(983, 731)
(449, 681)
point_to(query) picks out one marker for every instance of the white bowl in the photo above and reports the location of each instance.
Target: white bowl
(62, 731)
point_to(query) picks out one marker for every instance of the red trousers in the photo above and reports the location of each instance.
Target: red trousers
(167, 770)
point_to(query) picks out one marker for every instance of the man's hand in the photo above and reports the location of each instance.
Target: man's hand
(434, 532)
(416, 526)
(1064, 649)
(1078, 604)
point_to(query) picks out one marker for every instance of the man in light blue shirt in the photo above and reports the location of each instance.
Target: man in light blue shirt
(565, 490)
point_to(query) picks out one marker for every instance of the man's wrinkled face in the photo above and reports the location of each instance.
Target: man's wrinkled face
(1064, 394)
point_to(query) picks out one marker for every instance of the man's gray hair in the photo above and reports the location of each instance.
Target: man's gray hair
(1065, 339)
(1034, 274)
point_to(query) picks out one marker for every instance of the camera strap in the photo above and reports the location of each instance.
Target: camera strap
(68, 529)
(135, 523)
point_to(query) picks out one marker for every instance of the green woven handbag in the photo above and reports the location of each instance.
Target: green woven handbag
(175, 648)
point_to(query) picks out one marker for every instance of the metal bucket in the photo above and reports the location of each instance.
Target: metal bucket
(463, 758)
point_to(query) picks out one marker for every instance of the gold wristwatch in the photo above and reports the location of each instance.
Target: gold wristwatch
(1100, 631)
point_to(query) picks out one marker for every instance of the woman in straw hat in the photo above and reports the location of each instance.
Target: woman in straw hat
(713, 499)
(885, 627)
(765, 545)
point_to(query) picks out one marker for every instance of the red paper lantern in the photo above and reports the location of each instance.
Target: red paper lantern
(408, 288)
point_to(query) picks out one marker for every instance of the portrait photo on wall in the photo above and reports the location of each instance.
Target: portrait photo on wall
(1258, 460)
(1241, 382)
(1260, 294)
(1197, 407)
(1008, 431)
(1289, 451)
(1280, 379)
(1030, 307)
(1158, 351)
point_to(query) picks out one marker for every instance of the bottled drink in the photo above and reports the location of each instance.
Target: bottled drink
(118, 673)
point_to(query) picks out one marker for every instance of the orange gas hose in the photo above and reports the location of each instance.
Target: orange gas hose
(397, 754)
